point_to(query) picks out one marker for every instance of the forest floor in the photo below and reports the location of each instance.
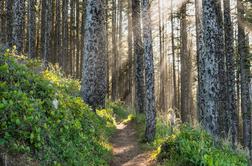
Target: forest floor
(126, 148)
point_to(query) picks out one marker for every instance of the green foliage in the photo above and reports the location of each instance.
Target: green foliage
(42, 115)
(118, 109)
(193, 147)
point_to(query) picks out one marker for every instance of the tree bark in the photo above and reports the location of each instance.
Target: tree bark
(93, 87)
(139, 59)
(229, 52)
(209, 67)
(32, 28)
(244, 78)
(18, 22)
(149, 73)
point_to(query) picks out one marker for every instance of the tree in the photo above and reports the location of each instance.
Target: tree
(175, 104)
(32, 28)
(138, 54)
(229, 53)
(245, 78)
(114, 45)
(18, 22)
(9, 18)
(2, 21)
(209, 66)
(149, 73)
(186, 88)
(93, 87)
(130, 53)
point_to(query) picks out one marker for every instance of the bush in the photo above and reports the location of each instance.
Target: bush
(195, 147)
(43, 116)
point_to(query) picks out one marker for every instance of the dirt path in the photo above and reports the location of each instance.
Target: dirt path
(126, 150)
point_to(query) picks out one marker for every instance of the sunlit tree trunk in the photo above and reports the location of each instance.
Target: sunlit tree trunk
(93, 87)
(209, 66)
(175, 104)
(149, 73)
(114, 45)
(138, 54)
(130, 53)
(186, 93)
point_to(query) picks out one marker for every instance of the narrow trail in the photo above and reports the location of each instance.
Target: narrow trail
(126, 149)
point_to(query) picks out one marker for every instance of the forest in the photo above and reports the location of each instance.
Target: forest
(125, 82)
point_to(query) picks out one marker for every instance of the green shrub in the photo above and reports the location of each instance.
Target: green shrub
(42, 115)
(193, 147)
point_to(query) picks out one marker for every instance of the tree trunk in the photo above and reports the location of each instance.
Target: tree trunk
(209, 67)
(32, 28)
(9, 19)
(93, 87)
(65, 59)
(175, 104)
(2, 22)
(114, 45)
(138, 54)
(245, 78)
(229, 52)
(185, 70)
(18, 22)
(149, 73)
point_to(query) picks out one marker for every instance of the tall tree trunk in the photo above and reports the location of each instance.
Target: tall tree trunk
(2, 22)
(149, 73)
(175, 104)
(9, 20)
(138, 54)
(77, 39)
(130, 53)
(93, 87)
(185, 69)
(58, 28)
(48, 27)
(18, 22)
(114, 45)
(65, 59)
(245, 78)
(199, 45)
(107, 49)
(162, 61)
(32, 28)
(209, 67)
(229, 52)
(42, 31)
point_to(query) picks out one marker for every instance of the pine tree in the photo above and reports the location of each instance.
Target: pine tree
(94, 67)
(149, 73)
(18, 22)
(138, 55)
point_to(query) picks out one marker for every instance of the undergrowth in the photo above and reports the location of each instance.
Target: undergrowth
(43, 117)
(182, 145)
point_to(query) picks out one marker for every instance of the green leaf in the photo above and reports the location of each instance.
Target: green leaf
(2, 106)
(2, 141)
(18, 122)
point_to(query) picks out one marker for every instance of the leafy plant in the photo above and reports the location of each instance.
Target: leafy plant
(43, 116)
